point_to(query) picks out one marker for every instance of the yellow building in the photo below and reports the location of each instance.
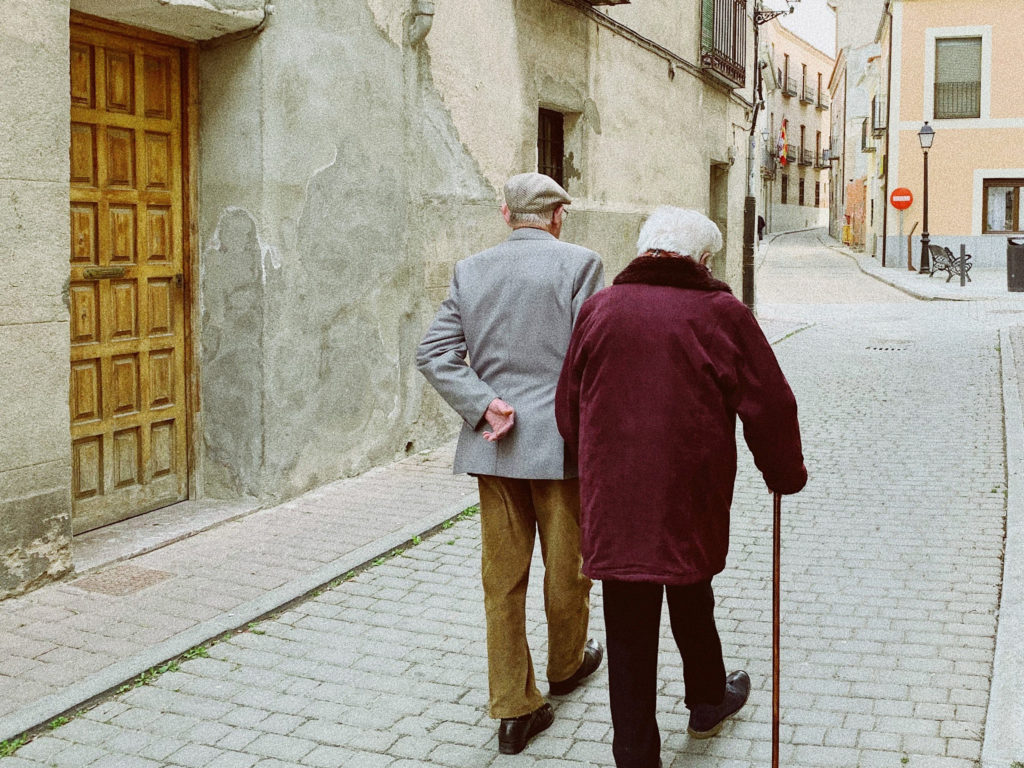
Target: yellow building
(954, 64)
(795, 192)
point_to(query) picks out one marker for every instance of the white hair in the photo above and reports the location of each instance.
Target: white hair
(678, 230)
(530, 219)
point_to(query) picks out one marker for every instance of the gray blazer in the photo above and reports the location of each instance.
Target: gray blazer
(511, 309)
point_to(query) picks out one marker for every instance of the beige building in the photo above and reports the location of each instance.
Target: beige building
(956, 65)
(228, 223)
(795, 131)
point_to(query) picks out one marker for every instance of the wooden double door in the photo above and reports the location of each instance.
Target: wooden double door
(127, 285)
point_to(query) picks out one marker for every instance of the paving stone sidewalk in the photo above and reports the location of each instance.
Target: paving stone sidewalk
(67, 642)
(891, 585)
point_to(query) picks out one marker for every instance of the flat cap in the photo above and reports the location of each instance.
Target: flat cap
(534, 193)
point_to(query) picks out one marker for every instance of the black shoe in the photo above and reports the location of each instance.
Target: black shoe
(592, 655)
(706, 719)
(514, 732)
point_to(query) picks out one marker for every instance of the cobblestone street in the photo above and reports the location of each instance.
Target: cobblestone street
(892, 571)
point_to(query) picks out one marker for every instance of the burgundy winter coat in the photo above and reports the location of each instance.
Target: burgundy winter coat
(659, 366)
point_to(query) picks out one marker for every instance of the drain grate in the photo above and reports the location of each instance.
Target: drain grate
(121, 580)
(886, 349)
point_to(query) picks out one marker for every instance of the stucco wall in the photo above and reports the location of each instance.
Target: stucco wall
(344, 171)
(965, 151)
(34, 444)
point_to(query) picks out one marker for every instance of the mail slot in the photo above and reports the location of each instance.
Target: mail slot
(99, 273)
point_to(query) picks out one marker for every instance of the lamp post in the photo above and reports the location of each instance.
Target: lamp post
(927, 136)
(761, 16)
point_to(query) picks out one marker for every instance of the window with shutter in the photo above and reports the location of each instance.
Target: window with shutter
(957, 77)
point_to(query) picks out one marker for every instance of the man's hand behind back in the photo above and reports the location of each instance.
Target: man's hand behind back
(501, 417)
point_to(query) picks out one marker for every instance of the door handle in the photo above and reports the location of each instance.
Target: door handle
(179, 280)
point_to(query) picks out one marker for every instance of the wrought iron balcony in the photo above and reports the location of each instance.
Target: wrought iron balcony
(957, 100)
(723, 40)
(806, 157)
(769, 164)
(821, 160)
(808, 95)
(790, 87)
(822, 102)
(791, 154)
(879, 116)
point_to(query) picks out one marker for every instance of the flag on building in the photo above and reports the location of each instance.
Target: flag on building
(783, 146)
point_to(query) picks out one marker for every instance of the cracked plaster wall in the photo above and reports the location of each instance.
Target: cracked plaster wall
(343, 173)
(35, 502)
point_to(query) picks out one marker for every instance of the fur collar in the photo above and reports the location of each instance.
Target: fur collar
(674, 272)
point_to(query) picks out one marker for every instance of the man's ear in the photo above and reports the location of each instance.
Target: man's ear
(705, 258)
(506, 213)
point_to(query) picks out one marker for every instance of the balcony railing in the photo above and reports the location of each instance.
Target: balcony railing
(879, 116)
(957, 100)
(808, 95)
(821, 159)
(723, 42)
(822, 102)
(806, 157)
(790, 154)
(865, 143)
(790, 87)
(769, 164)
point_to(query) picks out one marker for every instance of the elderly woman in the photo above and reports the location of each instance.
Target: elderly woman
(659, 366)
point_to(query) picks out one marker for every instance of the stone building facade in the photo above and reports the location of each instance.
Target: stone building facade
(227, 223)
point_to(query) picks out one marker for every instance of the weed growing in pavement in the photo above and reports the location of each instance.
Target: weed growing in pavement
(1016, 764)
(904, 760)
(9, 747)
(57, 722)
(447, 524)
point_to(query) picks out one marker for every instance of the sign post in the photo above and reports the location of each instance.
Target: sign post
(901, 199)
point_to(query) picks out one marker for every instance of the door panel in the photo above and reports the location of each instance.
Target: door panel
(127, 394)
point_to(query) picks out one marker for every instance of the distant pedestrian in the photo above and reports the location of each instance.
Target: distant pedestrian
(760, 227)
(659, 366)
(511, 309)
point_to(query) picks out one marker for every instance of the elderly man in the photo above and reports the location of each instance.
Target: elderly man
(511, 309)
(659, 367)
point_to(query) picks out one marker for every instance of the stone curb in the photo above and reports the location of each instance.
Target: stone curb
(100, 683)
(1004, 737)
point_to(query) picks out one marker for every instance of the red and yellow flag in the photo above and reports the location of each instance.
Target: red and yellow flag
(783, 146)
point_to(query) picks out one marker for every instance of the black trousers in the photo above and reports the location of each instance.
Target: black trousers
(632, 616)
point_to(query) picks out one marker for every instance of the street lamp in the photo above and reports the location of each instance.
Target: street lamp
(927, 136)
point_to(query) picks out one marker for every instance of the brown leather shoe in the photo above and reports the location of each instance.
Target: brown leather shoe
(592, 655)
(514, 732)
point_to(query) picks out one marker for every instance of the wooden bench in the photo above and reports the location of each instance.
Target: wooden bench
(943, 260)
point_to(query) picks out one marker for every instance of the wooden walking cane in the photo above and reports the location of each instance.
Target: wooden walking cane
(776, 573)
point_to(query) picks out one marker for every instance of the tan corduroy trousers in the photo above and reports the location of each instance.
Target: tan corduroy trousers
(512, 511)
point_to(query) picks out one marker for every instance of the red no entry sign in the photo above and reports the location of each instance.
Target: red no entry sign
(901, 198)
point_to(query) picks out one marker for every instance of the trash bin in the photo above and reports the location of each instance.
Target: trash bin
(1015, 264)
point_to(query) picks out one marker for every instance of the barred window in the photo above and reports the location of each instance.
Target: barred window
(785, 189)
(957, 77)
(551, 143)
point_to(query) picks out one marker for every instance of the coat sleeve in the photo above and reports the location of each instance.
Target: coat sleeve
(762, 398)
(567, 395)
(589, 281)
(441, 358)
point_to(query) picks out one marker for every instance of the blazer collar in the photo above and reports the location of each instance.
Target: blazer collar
(529, 233)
